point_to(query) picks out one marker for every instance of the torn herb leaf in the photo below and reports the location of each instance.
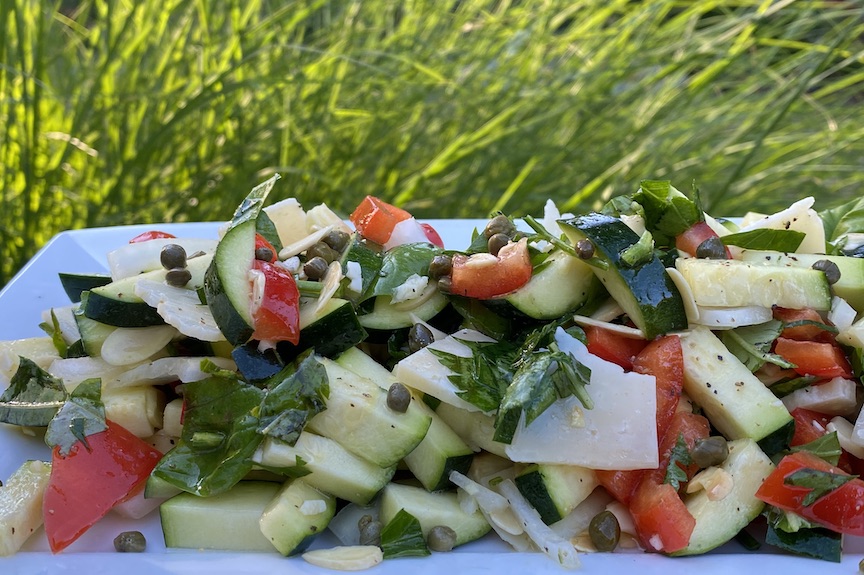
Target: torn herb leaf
(483, 377)
(826, 447)
(402, 537)
(752, 344)
(820, 482)
(82, 415)
(33, 397)
(668, 212)
(679, 459)
(293, 397)
(765, 239)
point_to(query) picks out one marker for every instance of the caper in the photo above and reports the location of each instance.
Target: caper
(711, 249)
(364, 520)
(585, 249)
(440, 266)
(370, 532)
(316, 268)
(500, 224)
(831, 269)
(178, 277)
(709, 451)
(497, 242)
(861, 566)
(264, 254)
(398, 398)
(419, 336)
(322, 250)
(441, 538)
(336, 239)
(130, 542)
(172, 256)
(604, 531)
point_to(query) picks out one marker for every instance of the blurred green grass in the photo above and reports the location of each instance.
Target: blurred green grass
(115, 112)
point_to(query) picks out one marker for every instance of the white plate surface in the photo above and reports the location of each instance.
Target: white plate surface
(37, 288)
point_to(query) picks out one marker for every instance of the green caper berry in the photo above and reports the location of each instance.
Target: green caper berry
(497, 242)
(441, 538)
(500, 224)
(711, 249)
(264, 254)
(861, 566)
(419, 336)
(172, 256)
(130, 542)
(322, 250)
(709, 451)
(585, 249)
(178, 277)
(336, 239)
(604, 531)
(398, 398)
(316, 268)
(831, 269)
(440, 266)
(370, 533)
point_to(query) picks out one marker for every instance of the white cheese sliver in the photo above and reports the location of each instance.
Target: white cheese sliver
(620, 432)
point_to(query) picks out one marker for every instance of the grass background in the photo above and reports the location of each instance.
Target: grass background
(122, 111)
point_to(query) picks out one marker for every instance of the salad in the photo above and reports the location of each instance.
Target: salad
(645, 377)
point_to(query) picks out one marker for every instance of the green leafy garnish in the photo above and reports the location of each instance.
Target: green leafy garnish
(821, 483)
(826, 447)
(752, 344)
(33, 397)
(83, 414)
(763, 239)
(668, 212)
(296, 394)
(679, 459)
(265, 227)
(784, 388)
(402, 262)
(640, 252)
(253, 203)
(482, 378)
(793, 533)
(402, 537)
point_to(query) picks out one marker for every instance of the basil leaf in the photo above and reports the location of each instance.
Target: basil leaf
(299, 469)
(843, 219)
(53, 330)
(668, 212)
(370, 262)
(33, 397)
(402, 262)
(826, 447)
(752, 344)
(83, 414)
(402, 537)
(777, 240)
(640, 252)
(483, 377)
(817, 543)
(679, 459)
(265, 227)
(253, 203)
(783, 388)
(821, 483)
(217, 407)
(295, 395)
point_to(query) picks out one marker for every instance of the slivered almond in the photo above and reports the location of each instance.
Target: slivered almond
(345, 558)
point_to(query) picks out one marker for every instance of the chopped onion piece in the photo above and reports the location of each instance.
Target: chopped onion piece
(345, 524)
(164, 370)
(835, 397)
(133, 259)
(578, 520)
(131, 345)
(690, 307)
(732, 317)
(180, 308)
(845, 436)
(406, 232)
(487, 499)
(608, 310)
(842, 315)
(557, 548)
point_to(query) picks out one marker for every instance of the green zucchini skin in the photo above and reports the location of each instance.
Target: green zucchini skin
(645, 291)
(103, 308)
(75, 284)
(226, 284)
(329, 333)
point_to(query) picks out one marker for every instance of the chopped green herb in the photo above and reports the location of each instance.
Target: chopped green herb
(821, 483)
(679, 459)
(402, 537)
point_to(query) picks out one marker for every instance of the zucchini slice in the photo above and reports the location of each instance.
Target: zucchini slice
(226, 283)
(644, 290)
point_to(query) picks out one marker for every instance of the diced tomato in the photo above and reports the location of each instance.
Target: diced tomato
(613, 347)
(825, 360)
(663, 359)
(261, 242)
(374, 219)
(663, 522)
(689, 239)
(85, 484)
(838, 510)
(278, 316)
(809, 425)
(151, 235)
(689, 426)
(806, 332)
(433, 236)
(484, 276)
